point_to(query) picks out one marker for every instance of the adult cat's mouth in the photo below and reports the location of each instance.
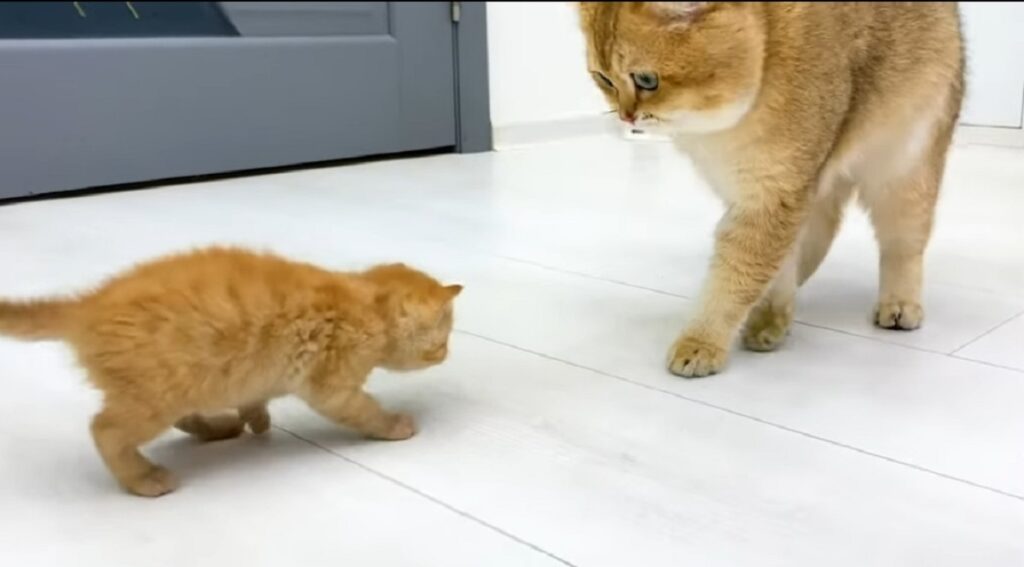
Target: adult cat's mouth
(647, 121)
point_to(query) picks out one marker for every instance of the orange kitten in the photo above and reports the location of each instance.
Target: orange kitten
(226, 329)
(786, 108)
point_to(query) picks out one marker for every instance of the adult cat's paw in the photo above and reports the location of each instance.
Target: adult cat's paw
(767, 326)
(899, 315)
(694, 358)
(401, 426)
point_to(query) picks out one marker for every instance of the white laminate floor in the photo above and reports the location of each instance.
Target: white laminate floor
(553, 436)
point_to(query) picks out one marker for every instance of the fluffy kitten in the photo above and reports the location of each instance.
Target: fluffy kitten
(193, 334)
(786, 108)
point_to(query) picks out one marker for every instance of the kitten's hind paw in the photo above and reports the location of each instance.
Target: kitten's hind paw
(401, 427)
(156, 481)
(213, 427)
(256, 417)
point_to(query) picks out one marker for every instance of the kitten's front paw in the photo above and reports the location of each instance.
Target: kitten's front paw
(767, 326)
(899, 315)
(401, 427)
(694, 358)
(157, 481)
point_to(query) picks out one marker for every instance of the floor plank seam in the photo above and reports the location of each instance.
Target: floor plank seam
(795, 321)
(986, 333)
(986, 363)
(756, 419)
(870, 338)
(590, 276)
(428, 497)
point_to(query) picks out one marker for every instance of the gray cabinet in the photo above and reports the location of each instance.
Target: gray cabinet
(270, 84)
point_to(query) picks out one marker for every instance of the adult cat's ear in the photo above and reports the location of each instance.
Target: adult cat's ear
(677, 12)
(452, 290)
(585, 10)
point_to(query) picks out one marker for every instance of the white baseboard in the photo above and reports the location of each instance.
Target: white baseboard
(989, 136)
(531, 133)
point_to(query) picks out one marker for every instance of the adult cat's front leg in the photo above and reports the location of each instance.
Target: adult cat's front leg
(752, 242)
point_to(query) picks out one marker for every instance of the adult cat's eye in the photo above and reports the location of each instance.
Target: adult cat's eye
(645, 81)
(603, 79)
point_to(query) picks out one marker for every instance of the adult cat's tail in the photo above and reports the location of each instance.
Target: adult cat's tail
(35, 320)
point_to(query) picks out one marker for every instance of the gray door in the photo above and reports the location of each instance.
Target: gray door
(145, 91)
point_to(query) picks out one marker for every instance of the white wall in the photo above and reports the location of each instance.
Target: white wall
(540, 87)
(994, 35)
(537, 65)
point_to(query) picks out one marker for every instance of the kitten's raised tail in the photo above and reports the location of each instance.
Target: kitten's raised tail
(35, 320)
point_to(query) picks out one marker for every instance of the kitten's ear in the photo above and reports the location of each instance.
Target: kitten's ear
(452, 291)
(390, 301)
(381, 298)
(677, 12)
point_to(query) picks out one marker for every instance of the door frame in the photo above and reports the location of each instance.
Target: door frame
(472, 84)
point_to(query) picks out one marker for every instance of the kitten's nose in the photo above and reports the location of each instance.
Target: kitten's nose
(627, 116)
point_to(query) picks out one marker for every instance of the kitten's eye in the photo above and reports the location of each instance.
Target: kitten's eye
(645, 81)
(436, 354)
(604, 80)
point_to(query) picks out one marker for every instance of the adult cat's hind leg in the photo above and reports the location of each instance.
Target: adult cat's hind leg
(769, 321)
(118, 430)
(902, 213)
(212, 426)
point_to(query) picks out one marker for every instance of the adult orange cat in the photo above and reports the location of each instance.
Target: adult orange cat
(175, 340)
(786, 108)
